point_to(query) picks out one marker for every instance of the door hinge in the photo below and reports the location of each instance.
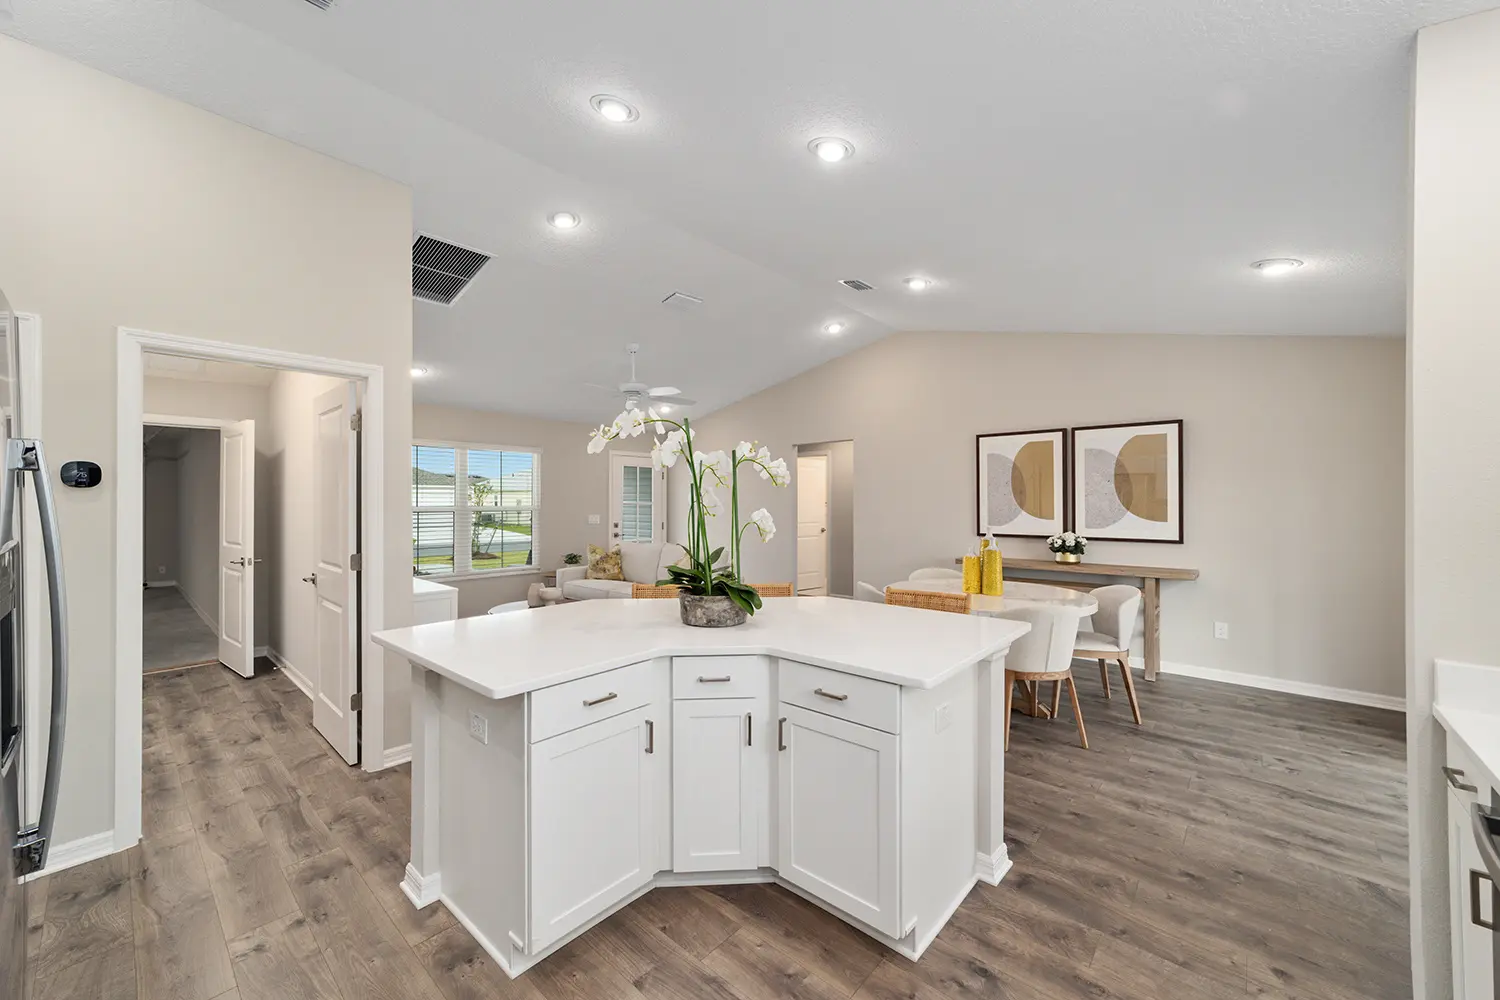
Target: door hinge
(357, 421)
(357, 562)
(357, 701)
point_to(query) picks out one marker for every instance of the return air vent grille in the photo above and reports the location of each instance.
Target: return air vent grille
(441, 271)
(321, 4)
(856, 284)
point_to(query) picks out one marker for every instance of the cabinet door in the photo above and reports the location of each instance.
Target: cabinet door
(1470, 889)
(839, 814)
(718, 798)
(593, 835)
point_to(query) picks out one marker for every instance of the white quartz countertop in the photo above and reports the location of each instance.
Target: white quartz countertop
(1466, 700)
(500, 656)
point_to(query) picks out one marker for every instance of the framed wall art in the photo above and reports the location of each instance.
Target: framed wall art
(1022, 483)
(1127, 482)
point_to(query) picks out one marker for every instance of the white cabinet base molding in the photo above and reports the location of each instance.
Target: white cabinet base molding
(854, 758)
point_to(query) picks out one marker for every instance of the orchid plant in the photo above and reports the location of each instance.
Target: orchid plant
(710, 572)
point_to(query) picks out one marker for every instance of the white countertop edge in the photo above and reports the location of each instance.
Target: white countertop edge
(638, 655)
(1478, 733)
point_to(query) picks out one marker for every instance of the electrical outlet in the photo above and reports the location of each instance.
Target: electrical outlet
(594, 519)
(944, 716)
(479, 727)
(161, 571)
(1221, 630)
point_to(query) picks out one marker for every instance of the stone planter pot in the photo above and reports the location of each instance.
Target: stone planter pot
(710, 612)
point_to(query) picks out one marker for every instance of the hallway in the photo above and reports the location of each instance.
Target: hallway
(173, 634)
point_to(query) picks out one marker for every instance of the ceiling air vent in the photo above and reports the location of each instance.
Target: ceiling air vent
(321, 4)
(441, 271)
(856, 284)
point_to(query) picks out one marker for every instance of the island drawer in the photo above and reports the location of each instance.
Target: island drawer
(564, 707)
(844, 696)
(720, 677)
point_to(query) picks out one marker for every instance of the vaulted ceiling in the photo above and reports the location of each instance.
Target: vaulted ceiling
(1069, 166)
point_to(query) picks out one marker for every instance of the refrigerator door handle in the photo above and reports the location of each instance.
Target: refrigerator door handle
(28, 456)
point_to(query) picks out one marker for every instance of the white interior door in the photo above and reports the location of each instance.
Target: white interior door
(237, 547)
(335, 673)
(812, 524)
(637, 500)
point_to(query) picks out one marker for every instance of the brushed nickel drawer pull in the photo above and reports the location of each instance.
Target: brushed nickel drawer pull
(650, 736)
(829, 695)
(781, 733)
(590, 703)
(1476, 893)
(749, 730)
(714, 680)
(1453, 774)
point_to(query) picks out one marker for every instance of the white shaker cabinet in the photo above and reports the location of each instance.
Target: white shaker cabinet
(719, 791)
(840, 814)
(1473, 899)
(594, 823)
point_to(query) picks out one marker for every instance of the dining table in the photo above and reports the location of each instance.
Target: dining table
(1015, 595)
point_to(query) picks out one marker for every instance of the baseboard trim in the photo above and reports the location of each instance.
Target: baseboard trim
(262, 651)
(152, 584)
(396, 755)
(422, 890)
(1280, 684)
(77, 852)
(199, 611)
(293, 674)
(991, 868)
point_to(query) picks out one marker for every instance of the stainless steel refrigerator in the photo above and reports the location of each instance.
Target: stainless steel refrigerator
(24, 484)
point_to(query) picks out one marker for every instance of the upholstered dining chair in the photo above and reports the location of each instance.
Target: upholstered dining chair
(653, 591)
(869, 592)
(936, 573)
(958, 604)
(1110, 639)
(775, 589)
(1043, 654)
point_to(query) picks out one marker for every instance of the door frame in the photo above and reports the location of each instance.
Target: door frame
(132, 345)
(827, 460)
(658, 499)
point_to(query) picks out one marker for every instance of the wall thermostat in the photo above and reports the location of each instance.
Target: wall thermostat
(81, 475)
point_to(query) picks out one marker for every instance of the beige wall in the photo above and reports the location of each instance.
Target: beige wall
(159, 514)
(198, 527)
(142, 211)
(1293, 476)
(1453, 344)
(575, 484)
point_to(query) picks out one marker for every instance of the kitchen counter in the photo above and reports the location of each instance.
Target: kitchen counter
(1466, 701)
(500, 656)
(568, 759)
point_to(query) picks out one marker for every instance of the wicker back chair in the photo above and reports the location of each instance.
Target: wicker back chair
(775, 589)
(958, 604)
(650, 591)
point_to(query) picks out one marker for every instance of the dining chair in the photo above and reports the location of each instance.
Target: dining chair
(654, 591)
(775, 589)
(1110, 639)
(958, 604)
(936, 573)
(869, 592)
(1043, 654)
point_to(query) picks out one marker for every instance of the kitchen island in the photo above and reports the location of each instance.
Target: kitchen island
(568, 759)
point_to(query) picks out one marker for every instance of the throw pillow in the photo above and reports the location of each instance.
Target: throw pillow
(604, 565)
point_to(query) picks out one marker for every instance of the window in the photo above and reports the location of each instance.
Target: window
(473, 509)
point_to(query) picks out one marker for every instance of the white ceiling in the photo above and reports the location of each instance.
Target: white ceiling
(197, 370)
(1068, 166)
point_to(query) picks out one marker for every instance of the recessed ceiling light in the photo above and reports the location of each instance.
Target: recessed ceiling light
(418, 372)
(917, 284)
(613, 109)
(831, 150)
(835, 328)
(664, 408)
(564, 220)
(1277, 265)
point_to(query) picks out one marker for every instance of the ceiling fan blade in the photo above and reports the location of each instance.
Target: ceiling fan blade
(663, 390)
(677, 401)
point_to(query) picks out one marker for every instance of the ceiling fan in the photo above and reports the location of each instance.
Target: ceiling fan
(639, 394)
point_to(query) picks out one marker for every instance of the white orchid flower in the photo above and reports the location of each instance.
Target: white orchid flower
(776, 472)
(764, 524)
(657, 426)
(598, 439)
(666, 451)
(743, 450)
(715, 463)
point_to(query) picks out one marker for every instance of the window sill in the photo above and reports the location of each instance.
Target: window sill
(481, 574)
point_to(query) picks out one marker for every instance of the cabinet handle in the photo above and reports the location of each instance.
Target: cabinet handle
(1476, 912)
(650, 736)
(749, 730)
(1453, 774)
(830, 695)
(781, 733)
(591, 702)
(714, 680)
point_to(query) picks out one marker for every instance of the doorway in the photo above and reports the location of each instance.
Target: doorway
(294, 505)
(825, 519)
(637, 500)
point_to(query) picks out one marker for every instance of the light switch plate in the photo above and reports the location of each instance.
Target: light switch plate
(479, 727)
(594, 519)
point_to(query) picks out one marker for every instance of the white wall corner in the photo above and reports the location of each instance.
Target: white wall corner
(422, 890)
(991, 868)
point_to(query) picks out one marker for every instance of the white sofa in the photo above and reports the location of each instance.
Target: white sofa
(641, 562)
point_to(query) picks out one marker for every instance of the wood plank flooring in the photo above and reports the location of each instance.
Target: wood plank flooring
(1241, 843)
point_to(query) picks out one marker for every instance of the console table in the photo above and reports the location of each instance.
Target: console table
(1150, 577)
